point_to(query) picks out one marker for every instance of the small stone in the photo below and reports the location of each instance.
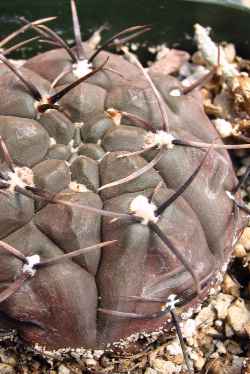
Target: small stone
(221, 349)
(246, 367)
(25, 370)
(163, 367)
(204, 341)
(8, 357)
(178, 359)
(229, 332)
(150, 371)
(221, 305)
(105, 361)
(233, 347)
(214, 365)
(230, 287)
(247, 328)
(36, 367)
(6, 369)
(77, 187)
(230, 52)
(239, 317)
(98, 353)
(211, 331)
(63, 370)
(188, 328)
(198, 59)
(90, 362)
(174, 348)
(174, 352)
(239, 250)
(206, 317)
(245, 238)
(74, 369)
(198, 360)
(219, 325)
(237, 365)
(223, 127)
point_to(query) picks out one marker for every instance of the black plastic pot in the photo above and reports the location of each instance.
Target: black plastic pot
(172, 20)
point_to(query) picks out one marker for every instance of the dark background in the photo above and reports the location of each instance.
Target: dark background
(172, 20)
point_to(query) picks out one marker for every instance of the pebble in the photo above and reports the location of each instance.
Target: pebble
(7, 369)
(98, 353)
(239, 250)
(163, 367)
(198, 360)
(247, 328)
(230, 287)
(8, 358)
(221, 349)
(188, 328)
(206, 317)
(221, 304)
(174, 348)
(63, 370)
(229, 332)
(90, 362)
(150, 371)
(211, 331)
(246, 367)
(233, 347)
(239, 318)
(245, 238)
(204, 342)
(174, 352)
(238, 364)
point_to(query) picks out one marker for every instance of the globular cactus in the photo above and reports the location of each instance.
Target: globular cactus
(123, 172)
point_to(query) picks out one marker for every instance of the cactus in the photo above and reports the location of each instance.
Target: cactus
(113, 197)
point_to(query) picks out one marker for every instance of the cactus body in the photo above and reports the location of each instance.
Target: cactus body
(63, 304)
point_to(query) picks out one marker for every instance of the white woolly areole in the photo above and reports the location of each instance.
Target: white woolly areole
(78, 187)
(29, 267)
(230, 195)
(52, 141)
(78, 125)
(81, 68)
(22, 177)
(37, 104)
(209, 51)
(142, 208)
(175, 92)
(171, 302)
(223, 127)
(160, 138)
(115, 115)
(71, 146)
